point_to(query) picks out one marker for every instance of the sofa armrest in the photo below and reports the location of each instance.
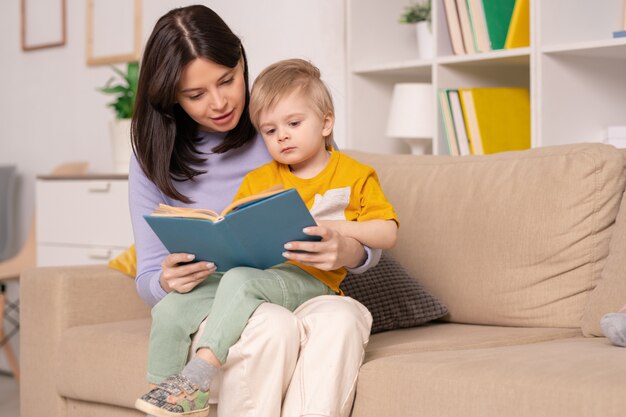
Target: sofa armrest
(53, 299)
(81, 295)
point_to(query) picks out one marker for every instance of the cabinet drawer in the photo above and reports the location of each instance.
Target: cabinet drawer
(83, 212)
(60, 255)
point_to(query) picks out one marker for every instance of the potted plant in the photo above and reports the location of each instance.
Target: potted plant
(124, 88)
(419, 14)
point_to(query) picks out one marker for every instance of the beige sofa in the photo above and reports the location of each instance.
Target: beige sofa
(527, 250)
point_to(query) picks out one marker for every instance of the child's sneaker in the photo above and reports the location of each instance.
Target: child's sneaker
(175, 397)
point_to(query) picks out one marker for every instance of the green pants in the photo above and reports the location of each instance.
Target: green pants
(228, 300)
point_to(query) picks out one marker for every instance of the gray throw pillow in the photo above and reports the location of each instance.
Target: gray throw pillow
(394, 298)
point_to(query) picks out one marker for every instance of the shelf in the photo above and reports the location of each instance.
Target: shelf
(574, 69)
(416, 67)
(607, 48)
(518, 56)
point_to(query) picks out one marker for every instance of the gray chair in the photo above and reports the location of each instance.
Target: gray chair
(10, 269)
(8, 180)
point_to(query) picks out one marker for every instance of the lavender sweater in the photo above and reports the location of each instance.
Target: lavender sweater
(213, 190)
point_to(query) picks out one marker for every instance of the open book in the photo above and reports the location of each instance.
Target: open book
(249, 232)
(194, 213)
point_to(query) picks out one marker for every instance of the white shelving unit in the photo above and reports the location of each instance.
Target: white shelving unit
(575, 70)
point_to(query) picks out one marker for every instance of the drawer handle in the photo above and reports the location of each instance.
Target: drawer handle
(99, 187)
(100, 253)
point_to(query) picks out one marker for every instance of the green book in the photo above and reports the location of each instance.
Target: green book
(498, 17)
(248, 234)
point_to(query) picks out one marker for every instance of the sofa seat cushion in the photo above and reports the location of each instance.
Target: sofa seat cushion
(569, 377)
(104, 363)
(451, 336)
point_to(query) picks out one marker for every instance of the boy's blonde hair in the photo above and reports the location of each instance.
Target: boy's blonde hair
(283, 78)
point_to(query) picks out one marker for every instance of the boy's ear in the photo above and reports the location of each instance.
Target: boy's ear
(329, 123)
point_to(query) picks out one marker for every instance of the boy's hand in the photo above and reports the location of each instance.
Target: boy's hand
(332, 252)
(182, 275)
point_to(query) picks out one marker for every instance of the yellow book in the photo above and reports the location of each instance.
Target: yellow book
(471, 121)
(497, 118)
(518, 35)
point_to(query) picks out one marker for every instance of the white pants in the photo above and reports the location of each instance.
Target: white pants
(296, 364)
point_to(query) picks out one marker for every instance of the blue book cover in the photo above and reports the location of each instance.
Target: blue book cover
(619, 34)
(251, 235)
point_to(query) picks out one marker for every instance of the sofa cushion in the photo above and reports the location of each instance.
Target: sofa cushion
(121, 352)
(94, 359)
(514, 239)
(453, 336)
(394, 298)
(576, 377)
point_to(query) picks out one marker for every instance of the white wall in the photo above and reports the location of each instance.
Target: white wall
(50, 111)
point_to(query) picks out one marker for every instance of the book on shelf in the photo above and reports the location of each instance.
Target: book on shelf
(479, 25)
(454, 27)
(619, 34)
(448, 124)
(466, 26)
(459, 124)
(497, 118)
(471, 122)
(249, 232)
(518, 35)
(498, 15)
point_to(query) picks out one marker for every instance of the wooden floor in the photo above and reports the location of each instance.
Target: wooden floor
(9, 397)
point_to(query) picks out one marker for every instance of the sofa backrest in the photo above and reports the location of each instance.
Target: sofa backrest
(516, 239)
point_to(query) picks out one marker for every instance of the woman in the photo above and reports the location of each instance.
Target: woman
(194, 142)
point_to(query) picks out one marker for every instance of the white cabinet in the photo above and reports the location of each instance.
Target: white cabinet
(81, 220)
(574, 68)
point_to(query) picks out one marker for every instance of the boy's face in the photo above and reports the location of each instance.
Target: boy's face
(294, 133)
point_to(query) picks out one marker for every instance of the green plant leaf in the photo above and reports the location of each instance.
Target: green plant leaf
(416, 12)
(125, 91)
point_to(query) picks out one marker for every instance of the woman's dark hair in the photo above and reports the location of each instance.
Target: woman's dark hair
(164, 137)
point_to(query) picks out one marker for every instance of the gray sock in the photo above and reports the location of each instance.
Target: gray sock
(200, 373)
(614, 327)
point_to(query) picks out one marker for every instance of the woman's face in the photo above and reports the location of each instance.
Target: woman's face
(213, 95)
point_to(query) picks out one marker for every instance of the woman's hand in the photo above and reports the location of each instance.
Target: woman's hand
(180, 276)
(332, 252)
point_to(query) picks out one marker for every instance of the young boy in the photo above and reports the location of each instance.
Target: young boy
(293, 110)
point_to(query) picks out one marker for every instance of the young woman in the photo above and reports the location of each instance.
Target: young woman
(194, 142)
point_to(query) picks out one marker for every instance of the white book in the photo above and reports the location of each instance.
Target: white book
(459, 122)
(454, 27)
(466, 26)
(479, 25)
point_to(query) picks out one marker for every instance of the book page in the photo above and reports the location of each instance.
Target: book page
(258, 196)
(196, 213)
